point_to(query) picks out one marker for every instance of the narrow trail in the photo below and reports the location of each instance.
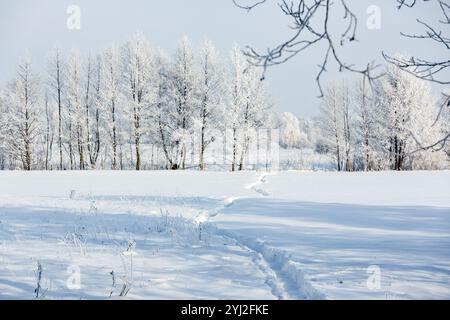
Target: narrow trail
(256, 185)
(283, 275)
(272, 281)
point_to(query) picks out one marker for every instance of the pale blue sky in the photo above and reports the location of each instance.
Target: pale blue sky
(31, 27)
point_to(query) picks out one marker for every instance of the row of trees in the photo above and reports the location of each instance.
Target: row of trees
(133, 107)
(101, 111)
(382, 127)
(310, 24)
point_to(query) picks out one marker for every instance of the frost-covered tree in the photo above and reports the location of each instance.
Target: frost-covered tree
(163, 116)
(330, 122)
(381, 129)
(76, 108)
(185, 95)
(247, 106)
(365, 126)
(237, 98)
(56, 79)
(3, 130)
(406, 115)
(139, 73)
(92, 87)
(211, 90)
(255, 105)
(348, 128)
(444, 124)
(290, 132)
(335, 123)
(112, 100)
(49, 132)
(399, 97)
(22, 116)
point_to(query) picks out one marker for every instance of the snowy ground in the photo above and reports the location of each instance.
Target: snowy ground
(286, 235)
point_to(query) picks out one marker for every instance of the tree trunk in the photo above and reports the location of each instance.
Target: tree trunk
(47, 134)
(233, 164)
(88, 129)
(80, 146)
(163, 140)
(114, 142)
(70, 147)
(27, 162)
(59, 116)
(202, 142)
(137, 139)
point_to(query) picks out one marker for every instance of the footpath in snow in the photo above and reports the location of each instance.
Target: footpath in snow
(352, 235)
(288, 235)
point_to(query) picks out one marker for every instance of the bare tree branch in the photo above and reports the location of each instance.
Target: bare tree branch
(429, 69)
(310, 22)
(248, 7)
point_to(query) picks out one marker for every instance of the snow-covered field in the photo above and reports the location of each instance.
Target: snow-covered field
(288, 235)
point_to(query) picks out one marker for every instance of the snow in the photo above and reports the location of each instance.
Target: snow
(204, 235)
(427, 188)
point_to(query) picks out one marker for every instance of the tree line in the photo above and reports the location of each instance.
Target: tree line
(103, 110)
(134, 107)
(382, 126)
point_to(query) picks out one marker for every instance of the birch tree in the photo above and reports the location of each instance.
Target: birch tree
(3, 129)
(23, 116)
(290, 133)
(93, 106)
(76, 116)
(111, 97)
(49, 133)
(255, 105)
(185, 95)
(139, 72)
(164, 116)
(331, 124)
(365, 125)
(211, 90)
(237, 100)
(246, 108)
(407, 107)
(347, 127)
(56, 74)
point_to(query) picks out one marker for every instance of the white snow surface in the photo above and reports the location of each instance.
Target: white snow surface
(206, 235)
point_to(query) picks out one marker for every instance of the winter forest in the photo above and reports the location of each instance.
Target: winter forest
(135, 107)
(229, 150)
(131, 107)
